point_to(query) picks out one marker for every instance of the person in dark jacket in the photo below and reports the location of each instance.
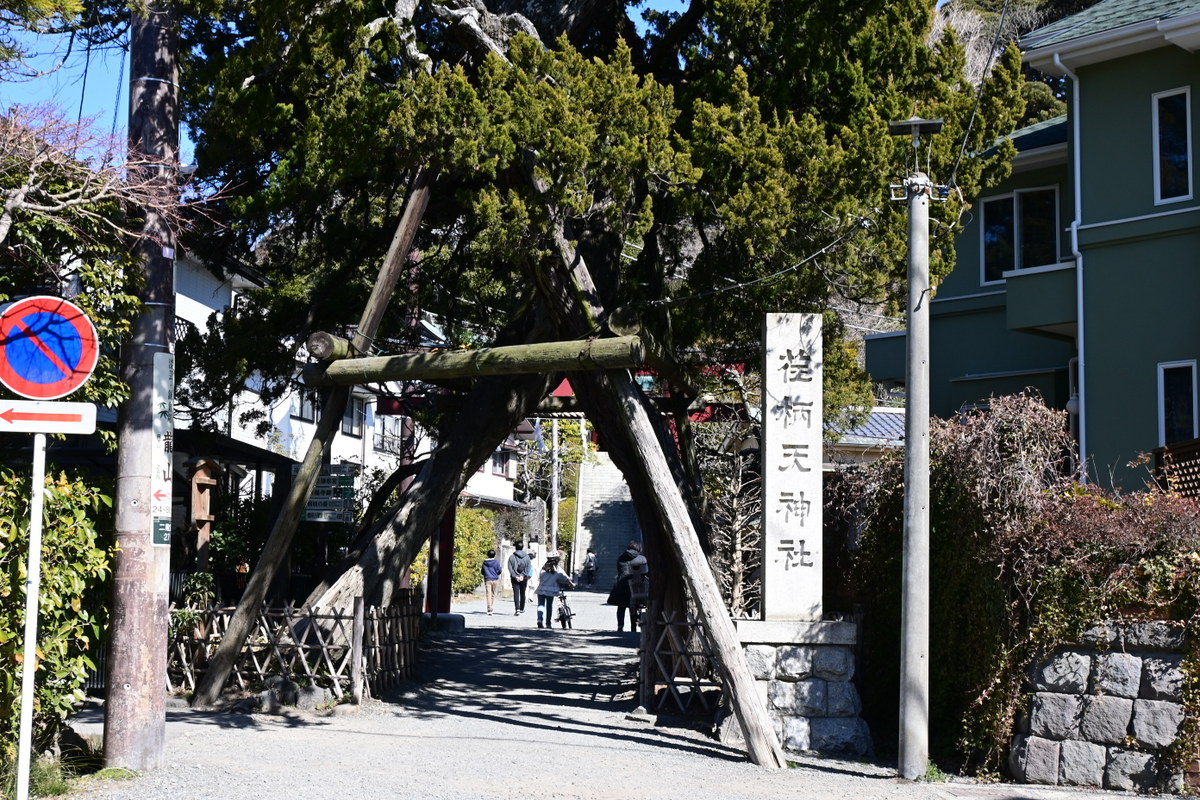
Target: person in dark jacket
(520, 566)
(491, 569)
(630, 564)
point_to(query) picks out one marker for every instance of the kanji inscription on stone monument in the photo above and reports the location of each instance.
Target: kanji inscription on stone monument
(791, 457)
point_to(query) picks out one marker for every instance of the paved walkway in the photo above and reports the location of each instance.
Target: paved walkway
(503, 710)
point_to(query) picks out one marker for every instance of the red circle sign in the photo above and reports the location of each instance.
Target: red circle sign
(48, 347)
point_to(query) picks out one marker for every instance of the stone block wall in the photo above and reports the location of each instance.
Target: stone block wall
(1102, 713)
(804, 673)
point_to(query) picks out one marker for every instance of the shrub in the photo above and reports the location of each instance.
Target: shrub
(1022, 561)
(990, 471)
(71, 610)
(474, 535)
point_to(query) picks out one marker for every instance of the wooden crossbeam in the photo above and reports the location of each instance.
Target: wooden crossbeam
(573, 356)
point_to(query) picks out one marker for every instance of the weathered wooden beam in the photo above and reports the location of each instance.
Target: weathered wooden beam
(590, 354)
(327, 347)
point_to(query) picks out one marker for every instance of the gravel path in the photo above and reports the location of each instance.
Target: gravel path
(501, 710)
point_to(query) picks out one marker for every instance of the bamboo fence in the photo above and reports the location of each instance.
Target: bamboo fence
(348, 652)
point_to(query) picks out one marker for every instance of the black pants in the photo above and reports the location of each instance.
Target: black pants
(519, 593)
(633, 616)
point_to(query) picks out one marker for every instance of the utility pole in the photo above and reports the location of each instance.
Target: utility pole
(135, 710)
(914, 604)
(554, 487)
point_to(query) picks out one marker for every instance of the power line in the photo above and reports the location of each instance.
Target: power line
(861, 223)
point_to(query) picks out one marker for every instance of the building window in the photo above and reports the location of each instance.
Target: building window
(389, 433)
(304, 405)
(1020, 231)
(352, 420)
(500, 463)
(1176, 402)
(1172, 146)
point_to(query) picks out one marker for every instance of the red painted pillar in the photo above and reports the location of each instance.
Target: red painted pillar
(446, 560)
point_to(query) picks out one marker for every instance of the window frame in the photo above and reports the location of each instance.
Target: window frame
(1017, 232)
(387, 433)
(305, 399)
(1186, 91)
(1163, 366)
(355, 414)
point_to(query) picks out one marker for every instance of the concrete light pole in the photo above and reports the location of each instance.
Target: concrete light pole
(914, 610)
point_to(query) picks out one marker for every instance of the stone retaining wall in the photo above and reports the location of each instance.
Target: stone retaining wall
(803, 671)
(1101, 713)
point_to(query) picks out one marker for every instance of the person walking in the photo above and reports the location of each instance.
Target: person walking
(520, 566)
(589, 568)
(630, 563)
(490, 569)
(551, 582)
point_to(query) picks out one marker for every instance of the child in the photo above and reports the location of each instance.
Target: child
(491, 577)
(551, 582)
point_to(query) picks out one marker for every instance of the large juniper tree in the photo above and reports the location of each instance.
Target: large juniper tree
(734, 159)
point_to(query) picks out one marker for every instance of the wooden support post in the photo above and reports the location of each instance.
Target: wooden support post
(327, 347)
(761, 742)
(356, 653)
(279, 542)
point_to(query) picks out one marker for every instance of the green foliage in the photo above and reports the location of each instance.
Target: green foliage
(566, 529)
(199, 592)
(29, 15)
(474, 535)
(239, 533)
(721, 151)
(989, 472)
(71, 610)
(66, 235)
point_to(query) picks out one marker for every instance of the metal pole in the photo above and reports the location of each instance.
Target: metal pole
(33, 577)
(914, 643)
(554, 488)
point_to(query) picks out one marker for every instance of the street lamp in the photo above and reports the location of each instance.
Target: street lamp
(914, 608)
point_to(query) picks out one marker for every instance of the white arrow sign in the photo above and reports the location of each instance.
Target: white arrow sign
(32, 416)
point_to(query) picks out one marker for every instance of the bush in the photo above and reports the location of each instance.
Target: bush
(71, 612)
(474, 535)
(1022, 562)
(989, 472)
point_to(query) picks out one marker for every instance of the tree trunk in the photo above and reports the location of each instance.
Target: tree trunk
(493, 410)
(756, 726)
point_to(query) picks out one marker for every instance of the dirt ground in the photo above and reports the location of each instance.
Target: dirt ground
(500, 710)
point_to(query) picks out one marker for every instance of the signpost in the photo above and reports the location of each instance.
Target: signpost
(163, 396)
(332, 498)
(792, 459)
(47, 350)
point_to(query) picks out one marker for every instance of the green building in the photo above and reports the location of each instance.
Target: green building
(1079, 276)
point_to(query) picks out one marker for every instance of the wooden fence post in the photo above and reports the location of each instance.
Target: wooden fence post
(356, 653)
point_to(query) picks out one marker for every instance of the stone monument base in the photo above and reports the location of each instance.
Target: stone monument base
(803, 671)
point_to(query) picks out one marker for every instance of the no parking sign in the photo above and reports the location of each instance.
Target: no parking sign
(48, 347)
